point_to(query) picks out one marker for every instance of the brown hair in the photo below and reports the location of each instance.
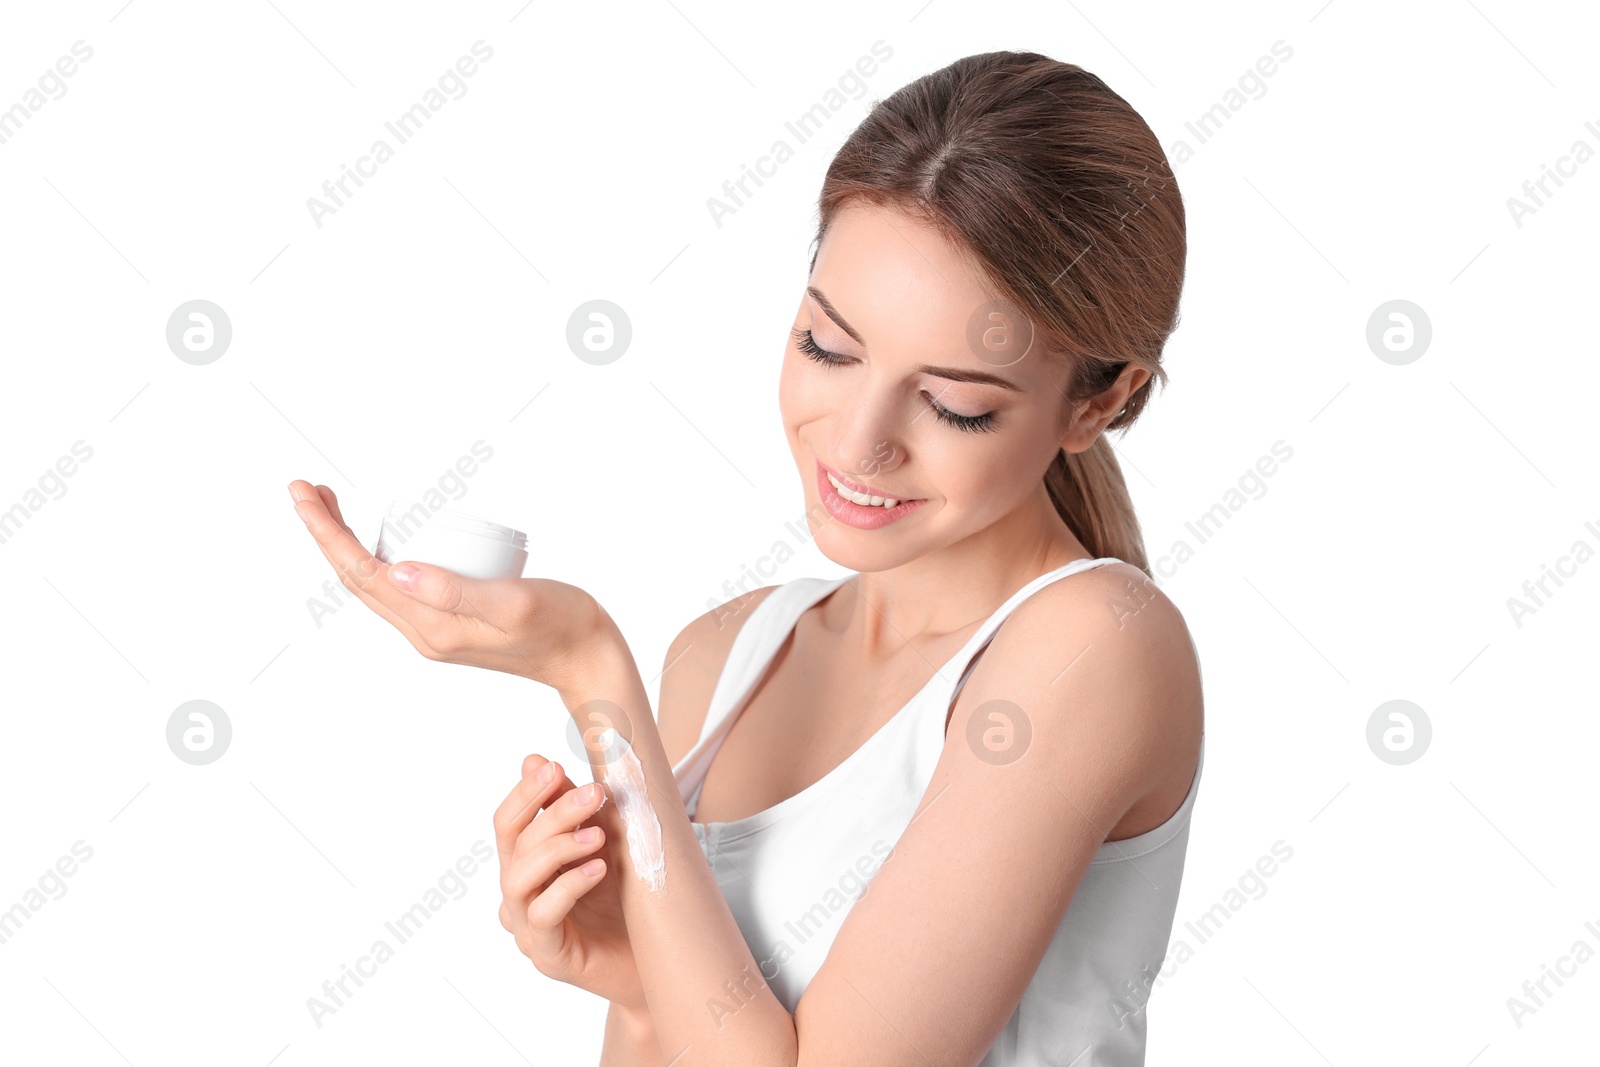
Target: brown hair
(1066, 202)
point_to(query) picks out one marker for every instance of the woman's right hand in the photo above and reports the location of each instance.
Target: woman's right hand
(568, 922)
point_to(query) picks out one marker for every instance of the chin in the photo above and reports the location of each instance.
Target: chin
(856, 550)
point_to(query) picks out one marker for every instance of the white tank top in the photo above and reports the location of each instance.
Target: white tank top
(790, 873)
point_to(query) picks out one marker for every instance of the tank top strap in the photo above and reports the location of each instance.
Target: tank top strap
(769, 625)
(757, 641)
(979, 642)
(764, 629)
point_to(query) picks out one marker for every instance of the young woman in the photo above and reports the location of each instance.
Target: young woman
(934, 811)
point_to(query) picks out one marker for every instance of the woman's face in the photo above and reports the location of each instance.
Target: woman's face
(926, 396)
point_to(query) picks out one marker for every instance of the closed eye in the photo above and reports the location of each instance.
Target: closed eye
(816, 353)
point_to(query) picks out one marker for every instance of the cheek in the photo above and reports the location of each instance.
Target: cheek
(786, 394)
(803, 394)
(978, 470)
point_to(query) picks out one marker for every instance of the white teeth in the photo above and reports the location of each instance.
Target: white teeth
(859, 498)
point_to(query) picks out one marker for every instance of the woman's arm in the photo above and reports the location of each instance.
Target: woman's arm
(918, 974)
(630, 1041)
(689, 950)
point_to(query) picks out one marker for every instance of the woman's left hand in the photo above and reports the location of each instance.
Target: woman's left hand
(532, 627)
(568, 922)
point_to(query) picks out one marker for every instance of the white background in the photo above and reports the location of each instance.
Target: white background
(430, 312)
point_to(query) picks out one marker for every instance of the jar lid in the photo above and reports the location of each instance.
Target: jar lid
(461, 522)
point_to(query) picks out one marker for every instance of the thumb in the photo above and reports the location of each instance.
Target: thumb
(439, 588)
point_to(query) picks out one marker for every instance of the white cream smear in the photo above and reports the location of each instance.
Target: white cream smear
(624, 776)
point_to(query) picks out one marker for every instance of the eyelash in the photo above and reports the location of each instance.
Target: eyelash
(970, 423)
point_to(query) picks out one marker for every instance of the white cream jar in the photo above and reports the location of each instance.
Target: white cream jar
(469, 546)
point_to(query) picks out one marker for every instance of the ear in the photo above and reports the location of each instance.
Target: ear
(1092, 415)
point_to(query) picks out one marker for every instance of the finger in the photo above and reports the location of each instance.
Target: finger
(530, 874)
(548, 910)
(331, 501)
(359, 569)
(524, 800)
(447, 591)
(517, 810)
(470, 613)
(378, 607)
(563, 814)
(312, 508)
(339, 544)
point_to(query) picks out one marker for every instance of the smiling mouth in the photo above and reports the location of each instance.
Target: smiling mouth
(864, 499)
(844, 503)
(863, 496)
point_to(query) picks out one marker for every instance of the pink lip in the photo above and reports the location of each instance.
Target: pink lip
(865, 490)
(856, 515)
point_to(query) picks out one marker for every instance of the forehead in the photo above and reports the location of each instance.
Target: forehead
(885, 270)
(905, 288)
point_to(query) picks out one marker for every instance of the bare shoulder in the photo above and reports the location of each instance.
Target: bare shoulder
(1118, 663)
(1114, 603)
(693, 662)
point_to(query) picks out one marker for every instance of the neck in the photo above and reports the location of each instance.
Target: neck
(953, 589)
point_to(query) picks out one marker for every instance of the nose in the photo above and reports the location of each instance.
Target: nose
(868, 438)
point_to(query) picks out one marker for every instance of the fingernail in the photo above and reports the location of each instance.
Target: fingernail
(584, 795)
(300, 511)
(404, 575)
(546, 773)
(585, 834)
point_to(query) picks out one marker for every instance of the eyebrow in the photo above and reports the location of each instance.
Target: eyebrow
(954, 374)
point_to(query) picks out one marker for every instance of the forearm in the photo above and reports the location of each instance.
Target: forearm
(630, 1041)
(707, 999)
